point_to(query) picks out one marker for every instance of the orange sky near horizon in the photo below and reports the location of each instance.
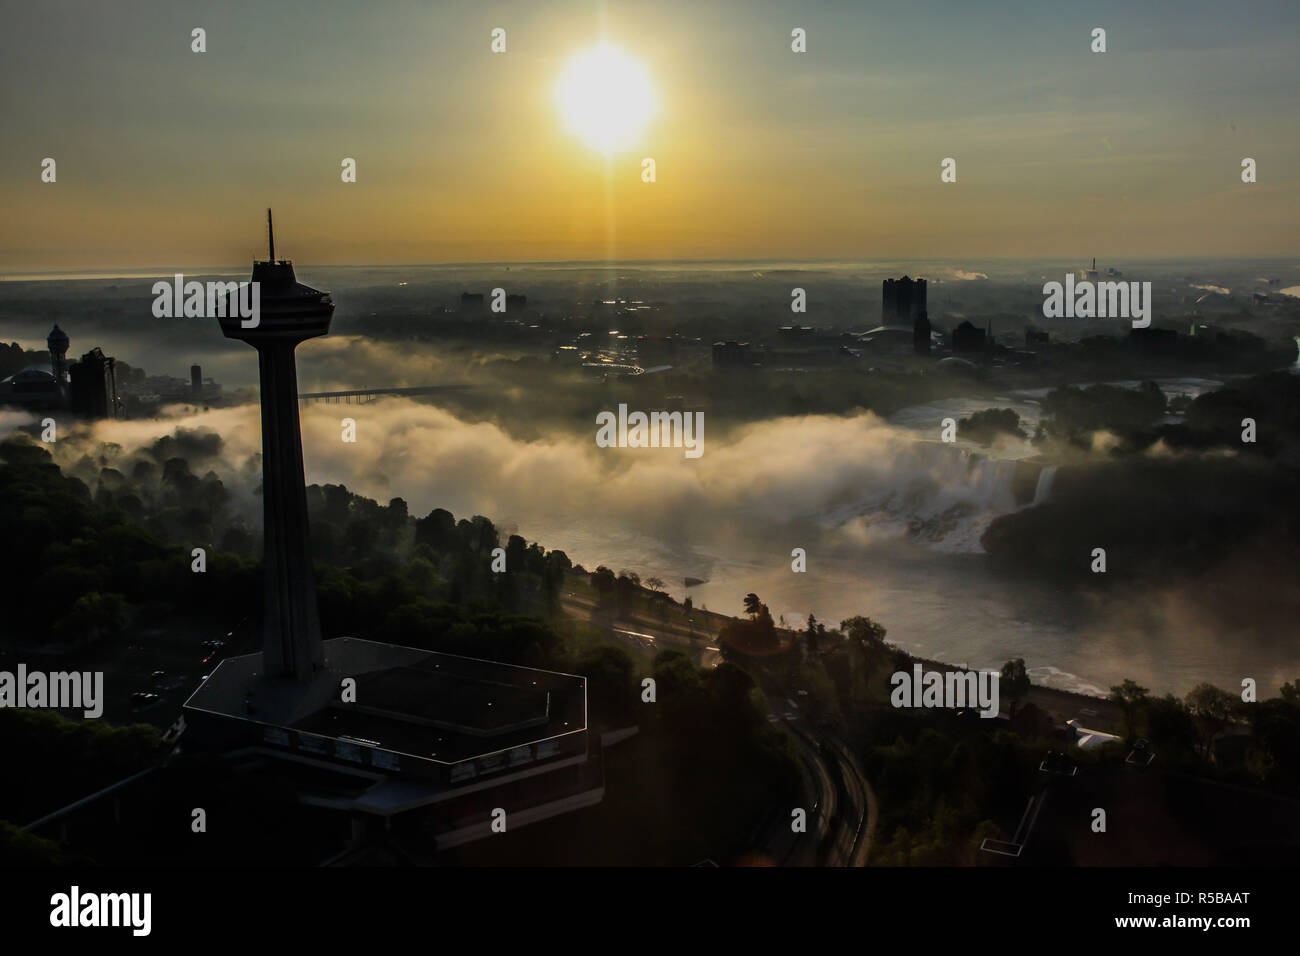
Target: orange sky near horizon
(168, 157)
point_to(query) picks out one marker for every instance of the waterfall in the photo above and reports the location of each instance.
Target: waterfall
(1044, 488)
(991, 481)
(942, 495)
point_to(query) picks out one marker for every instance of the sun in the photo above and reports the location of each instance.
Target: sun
(606, 98)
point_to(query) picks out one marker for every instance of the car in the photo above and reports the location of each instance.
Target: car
(144, 699)
(157, 676)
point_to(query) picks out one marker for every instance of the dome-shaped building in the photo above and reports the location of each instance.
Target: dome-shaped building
(34, 387)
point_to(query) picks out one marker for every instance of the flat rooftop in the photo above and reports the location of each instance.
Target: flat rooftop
(410, 701)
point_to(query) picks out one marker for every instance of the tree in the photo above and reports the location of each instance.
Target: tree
(359, 539)
(94, 615)
(1170, 729)
(1276, 734)
(437, 529)
(478, 534)
(603, 580)
(422, 575)
(654, 584)
(612, 693)
(681, 688)
(755, 636)
(987, 425)
(516, 554)
(863, 631)
(1014, 682)
(865, 635)
(19, 849)
(1130, 696)
(1212, 710)
(627, 584)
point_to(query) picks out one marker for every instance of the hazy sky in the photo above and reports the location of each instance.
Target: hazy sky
(167, 157)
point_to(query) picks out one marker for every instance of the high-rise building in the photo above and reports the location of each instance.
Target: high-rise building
(921, 334)
(969, 338)
(902, 311)
(92, 386)
(902, 302)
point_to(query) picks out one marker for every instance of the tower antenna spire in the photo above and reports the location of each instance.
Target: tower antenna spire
(270, 232)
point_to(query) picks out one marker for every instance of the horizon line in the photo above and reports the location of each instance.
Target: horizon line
(143, 272)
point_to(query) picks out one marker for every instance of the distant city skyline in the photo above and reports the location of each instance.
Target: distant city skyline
(166, 157)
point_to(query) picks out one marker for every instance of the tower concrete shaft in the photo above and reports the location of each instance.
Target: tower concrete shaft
(291, 638)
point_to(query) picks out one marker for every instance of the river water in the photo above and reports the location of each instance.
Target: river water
(936, 592)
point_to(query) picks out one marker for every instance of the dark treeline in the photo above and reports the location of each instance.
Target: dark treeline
(61, 761)
(987, 425)
(945, 783)
(1164, 498)
(947, 780)
(84, 559)
(14, 358)
(88, 567)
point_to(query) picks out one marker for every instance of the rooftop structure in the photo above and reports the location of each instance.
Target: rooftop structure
(437, 717)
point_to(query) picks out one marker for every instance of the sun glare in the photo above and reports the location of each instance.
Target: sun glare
(606, 98)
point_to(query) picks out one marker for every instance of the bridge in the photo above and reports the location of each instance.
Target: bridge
(364, 396)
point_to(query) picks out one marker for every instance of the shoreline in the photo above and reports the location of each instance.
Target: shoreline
(1093, 711)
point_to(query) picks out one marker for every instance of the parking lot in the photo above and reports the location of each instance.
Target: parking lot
(150, 669)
